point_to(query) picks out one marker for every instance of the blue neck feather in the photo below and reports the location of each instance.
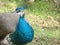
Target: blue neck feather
(23, 34)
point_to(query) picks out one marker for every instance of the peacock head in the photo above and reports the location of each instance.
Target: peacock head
(20, 11)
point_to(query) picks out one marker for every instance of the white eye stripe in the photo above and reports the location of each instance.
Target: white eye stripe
(21, 13)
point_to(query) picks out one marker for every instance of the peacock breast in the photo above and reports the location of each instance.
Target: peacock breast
(25, 31)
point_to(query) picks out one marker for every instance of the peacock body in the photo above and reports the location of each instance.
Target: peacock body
(10, 26)
(23, 32)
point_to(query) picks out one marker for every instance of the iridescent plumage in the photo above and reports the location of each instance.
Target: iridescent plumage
(23, 34)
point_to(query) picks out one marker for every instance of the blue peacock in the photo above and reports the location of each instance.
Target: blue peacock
(15, 35)
(23, 34)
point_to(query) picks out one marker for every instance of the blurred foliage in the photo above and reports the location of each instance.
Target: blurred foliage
(9, 5)
(38, 7)
(48, 7)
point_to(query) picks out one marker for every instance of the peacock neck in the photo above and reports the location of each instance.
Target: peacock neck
(14, 35)
(24, 32)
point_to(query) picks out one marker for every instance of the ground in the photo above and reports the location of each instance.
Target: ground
(47, 31)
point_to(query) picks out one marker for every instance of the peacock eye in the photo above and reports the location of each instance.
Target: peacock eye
(18, 11)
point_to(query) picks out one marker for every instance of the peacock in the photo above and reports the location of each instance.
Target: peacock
(23, 33)
(8, 22)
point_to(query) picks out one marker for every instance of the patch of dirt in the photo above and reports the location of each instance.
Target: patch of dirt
(47, 23)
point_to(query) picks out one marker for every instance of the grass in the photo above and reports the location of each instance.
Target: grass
(44, 36)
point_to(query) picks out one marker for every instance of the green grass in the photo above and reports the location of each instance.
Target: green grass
(44, 36)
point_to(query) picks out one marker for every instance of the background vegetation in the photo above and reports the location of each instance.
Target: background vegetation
(43, 15)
